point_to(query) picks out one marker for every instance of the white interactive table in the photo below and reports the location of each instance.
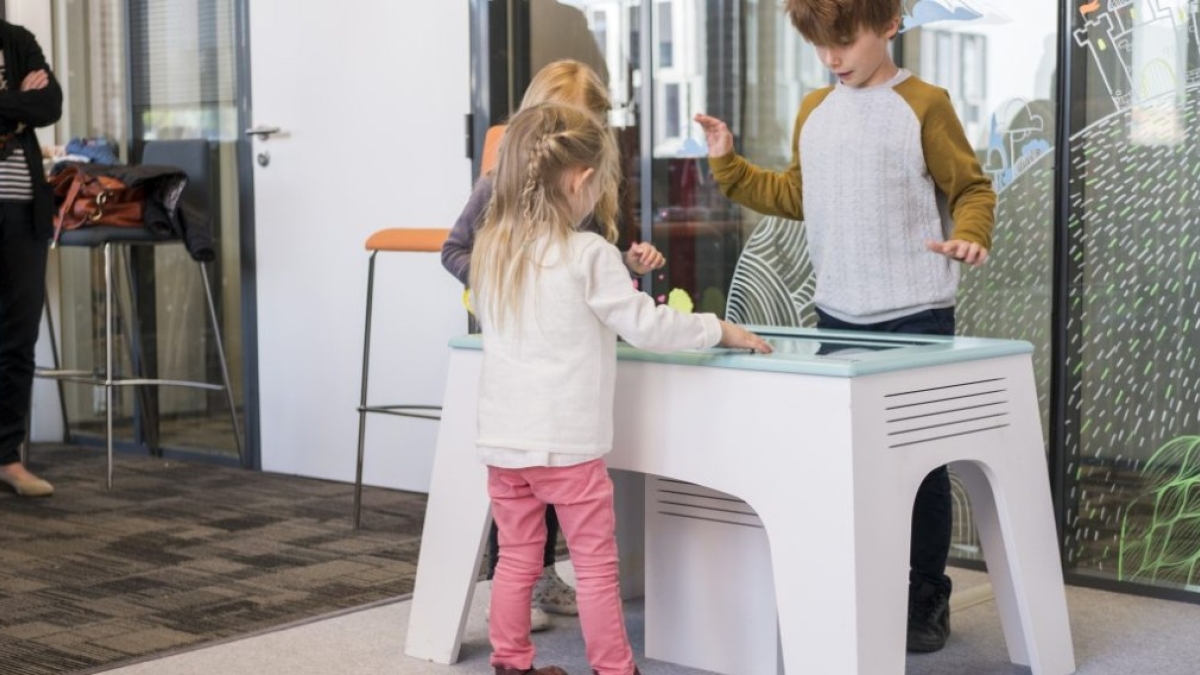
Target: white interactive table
(827, 441)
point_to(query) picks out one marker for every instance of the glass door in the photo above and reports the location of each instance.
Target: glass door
(138, 71)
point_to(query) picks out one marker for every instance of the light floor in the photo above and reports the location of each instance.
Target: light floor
(1114, 635)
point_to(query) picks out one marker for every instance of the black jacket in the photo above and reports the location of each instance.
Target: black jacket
(167, 210)
(36, 108)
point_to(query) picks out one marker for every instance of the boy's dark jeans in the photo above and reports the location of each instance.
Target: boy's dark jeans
(933, 511)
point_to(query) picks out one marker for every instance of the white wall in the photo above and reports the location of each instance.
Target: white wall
(373, 99)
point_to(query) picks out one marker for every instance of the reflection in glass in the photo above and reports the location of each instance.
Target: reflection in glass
(746, 65)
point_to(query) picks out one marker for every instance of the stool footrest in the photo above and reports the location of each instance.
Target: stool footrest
(89, 377)
(405, 410)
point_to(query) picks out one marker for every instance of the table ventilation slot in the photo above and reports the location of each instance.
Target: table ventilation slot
(678, 499)
(946, 411)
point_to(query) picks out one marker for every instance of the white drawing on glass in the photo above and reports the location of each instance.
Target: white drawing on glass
(925, 12)
(1135, 46)
(1021, 133)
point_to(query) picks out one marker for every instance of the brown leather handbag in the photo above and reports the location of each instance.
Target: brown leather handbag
(87, 199)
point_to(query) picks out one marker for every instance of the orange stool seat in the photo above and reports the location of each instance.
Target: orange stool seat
(405, 239)
(400, 240)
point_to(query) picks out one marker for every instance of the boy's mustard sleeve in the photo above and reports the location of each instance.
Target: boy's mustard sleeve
(955, 169)
(772, 193)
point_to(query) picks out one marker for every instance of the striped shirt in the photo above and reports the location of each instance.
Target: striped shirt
(15, 183)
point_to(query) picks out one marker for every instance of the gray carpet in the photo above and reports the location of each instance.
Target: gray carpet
(181, 554)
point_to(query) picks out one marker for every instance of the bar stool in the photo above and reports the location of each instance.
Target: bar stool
(411, 241)
(397, 240)
(192, 157)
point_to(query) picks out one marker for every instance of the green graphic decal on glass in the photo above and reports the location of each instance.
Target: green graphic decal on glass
(1160, 530)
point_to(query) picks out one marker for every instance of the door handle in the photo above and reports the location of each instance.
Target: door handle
(264, 132)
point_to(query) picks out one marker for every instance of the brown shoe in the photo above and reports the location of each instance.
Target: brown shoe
(548, 670)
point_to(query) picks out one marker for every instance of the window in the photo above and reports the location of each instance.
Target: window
(600, 30)
(671, 111)
(958, 62)
(666, 29)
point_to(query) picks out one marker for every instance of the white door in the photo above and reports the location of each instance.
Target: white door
(370, 98)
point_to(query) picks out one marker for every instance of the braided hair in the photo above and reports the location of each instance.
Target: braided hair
(530, 213)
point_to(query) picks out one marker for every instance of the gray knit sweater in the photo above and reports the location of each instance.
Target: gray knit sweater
(876, 173)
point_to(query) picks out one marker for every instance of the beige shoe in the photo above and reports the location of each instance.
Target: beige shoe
(25, 484)
(539, 620)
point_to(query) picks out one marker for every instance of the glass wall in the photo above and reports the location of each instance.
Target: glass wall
(743, 62)
(179, 83)
(1094, 161)
(1132, 442)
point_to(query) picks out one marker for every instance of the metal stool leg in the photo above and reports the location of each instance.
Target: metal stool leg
(62, 397)
(108, 359)
(216, 327)
(362, 400)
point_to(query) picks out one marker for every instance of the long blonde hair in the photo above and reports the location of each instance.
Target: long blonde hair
(529, 199)
(571, 82)
(568, 81)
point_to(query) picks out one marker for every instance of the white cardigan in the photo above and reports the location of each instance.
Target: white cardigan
(546, 389)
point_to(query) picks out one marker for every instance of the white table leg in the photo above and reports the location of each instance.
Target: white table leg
(840, 595)
(456, 523)
(1018, 541)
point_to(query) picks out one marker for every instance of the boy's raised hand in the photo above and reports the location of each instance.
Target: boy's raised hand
(733, 335)
(716, 134)
(963, 251)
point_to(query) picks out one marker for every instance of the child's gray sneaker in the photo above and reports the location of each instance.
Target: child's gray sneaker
(553, 594)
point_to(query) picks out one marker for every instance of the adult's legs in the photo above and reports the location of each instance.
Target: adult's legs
(22, 293)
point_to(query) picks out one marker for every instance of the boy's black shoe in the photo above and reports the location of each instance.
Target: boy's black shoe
(548, 670)
(928, 617)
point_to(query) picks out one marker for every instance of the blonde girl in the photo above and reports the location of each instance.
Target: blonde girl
(551, 300)
(573, 83)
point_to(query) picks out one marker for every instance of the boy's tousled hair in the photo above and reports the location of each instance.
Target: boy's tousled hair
(836, 22)
(530, 211)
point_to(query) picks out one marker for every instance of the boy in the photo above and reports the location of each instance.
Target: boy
(893, 198)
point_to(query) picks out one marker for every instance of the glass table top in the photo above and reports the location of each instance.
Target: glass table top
(825, 352)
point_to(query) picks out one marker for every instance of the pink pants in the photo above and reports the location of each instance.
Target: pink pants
(583, 497)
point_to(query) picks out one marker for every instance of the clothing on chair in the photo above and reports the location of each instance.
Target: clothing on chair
(165, 211)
